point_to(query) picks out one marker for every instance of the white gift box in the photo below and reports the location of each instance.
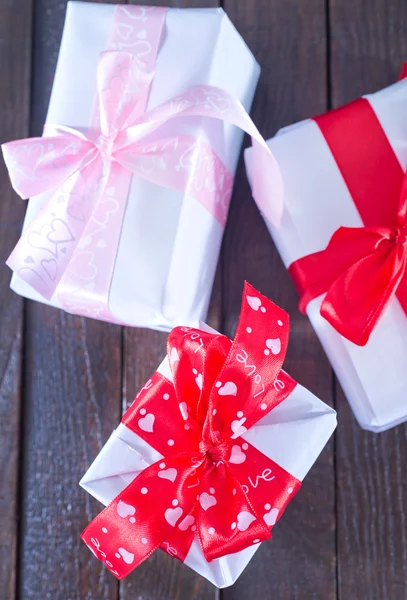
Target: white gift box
(169, 244)
(293, 434)
(317, 202)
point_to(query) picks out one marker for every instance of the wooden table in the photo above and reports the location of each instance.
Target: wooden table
(65, 380)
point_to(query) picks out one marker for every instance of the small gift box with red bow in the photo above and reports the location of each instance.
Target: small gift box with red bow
(211, 451)
(130, 184)
(343, 238)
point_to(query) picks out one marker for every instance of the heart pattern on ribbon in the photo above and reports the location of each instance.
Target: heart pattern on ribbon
(88, 174)
(207, 465)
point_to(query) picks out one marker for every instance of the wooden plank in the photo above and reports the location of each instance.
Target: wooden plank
(15, 38)
(198, 3)
(288, 39)
(178, 3)
(72, 403)
(368, 44)
(143, 352)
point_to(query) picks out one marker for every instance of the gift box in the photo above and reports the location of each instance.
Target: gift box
(130, 186)
(343, 239)
(211, 451)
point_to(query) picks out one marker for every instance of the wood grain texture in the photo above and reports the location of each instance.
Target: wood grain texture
(368, 44)
(288, 39)
(76, 382)
(15, 40)
(143, 352)
(72, 393)
(179, 3)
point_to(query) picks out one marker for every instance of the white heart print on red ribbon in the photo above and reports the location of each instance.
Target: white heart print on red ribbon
(210, 482)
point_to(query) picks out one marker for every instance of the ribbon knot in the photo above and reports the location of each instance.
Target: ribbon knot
(106, 146)
(82, 171)
(214, 451)
(210, 484)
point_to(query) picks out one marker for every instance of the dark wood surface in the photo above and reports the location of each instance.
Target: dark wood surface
(65, 380)
(15, 36)
(372, 519)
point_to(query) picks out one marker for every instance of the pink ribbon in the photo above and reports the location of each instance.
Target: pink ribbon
(70, 247)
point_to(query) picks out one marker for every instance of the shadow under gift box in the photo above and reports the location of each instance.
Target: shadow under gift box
(317, 202)
(293, 434)
(169, 243)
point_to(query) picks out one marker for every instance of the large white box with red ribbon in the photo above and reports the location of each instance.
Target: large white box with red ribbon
(343, 238)
(131, 184)
(211, 451)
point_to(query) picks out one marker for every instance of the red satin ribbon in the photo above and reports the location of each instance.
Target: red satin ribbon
(403, 72)
(362, 268)
(210, 483)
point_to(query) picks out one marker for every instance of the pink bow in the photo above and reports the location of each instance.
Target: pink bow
(87, 176)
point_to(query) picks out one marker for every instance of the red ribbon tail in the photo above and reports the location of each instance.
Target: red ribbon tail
(238, 525)
(358, 299)
(145, 516)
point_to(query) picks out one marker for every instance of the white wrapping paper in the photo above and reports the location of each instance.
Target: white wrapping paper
(169, 244)
(293, 435)
(317, 202)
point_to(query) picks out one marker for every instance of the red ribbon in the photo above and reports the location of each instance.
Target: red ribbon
(362, 268)
(403, 72)
(210, 482)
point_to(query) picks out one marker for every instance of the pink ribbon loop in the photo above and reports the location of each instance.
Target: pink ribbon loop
(89, 175)
(43, 163)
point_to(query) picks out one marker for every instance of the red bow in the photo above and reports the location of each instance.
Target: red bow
(208, 482)
(362, 268)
